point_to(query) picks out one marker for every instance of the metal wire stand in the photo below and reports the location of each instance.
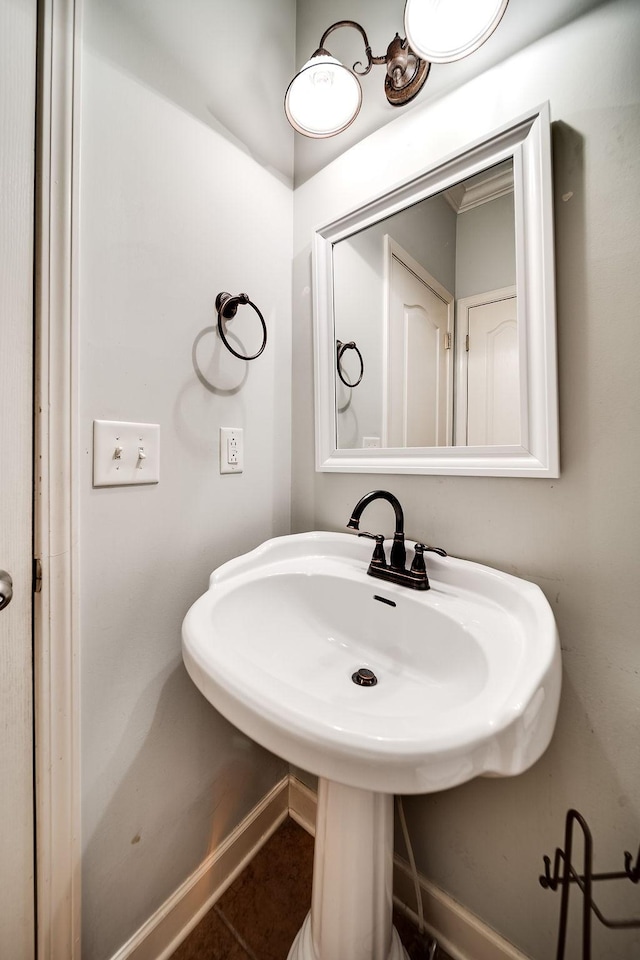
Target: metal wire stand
(564, 875)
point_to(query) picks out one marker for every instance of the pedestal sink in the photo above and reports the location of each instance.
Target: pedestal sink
(378, 690)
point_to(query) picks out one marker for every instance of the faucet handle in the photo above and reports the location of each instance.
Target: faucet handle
(417, 567)
(438, 550)
(378, 558)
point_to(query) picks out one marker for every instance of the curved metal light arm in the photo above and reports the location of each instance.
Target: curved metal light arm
(367, 47)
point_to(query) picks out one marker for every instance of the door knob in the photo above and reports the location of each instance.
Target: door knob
(6, 589)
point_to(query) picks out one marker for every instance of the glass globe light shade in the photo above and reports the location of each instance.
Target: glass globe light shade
(323, 98)
(446, 30)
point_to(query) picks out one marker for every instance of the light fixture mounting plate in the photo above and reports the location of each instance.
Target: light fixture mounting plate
(398, 96)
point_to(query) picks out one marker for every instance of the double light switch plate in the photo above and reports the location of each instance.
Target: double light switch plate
(125, 453)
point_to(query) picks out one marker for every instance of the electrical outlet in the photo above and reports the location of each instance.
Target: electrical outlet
(231, 450)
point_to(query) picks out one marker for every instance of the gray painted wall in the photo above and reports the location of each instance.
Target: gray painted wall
(486, 248)
(577, 537)
(196, 54)
(173, 210)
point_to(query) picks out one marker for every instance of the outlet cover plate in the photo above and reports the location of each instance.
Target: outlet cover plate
(231, 438)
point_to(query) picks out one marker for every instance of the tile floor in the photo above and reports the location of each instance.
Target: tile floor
(261, 912)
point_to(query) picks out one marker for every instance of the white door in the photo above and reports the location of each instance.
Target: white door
(419, 357)
(17, 143)
(493, 392)
(488, 392)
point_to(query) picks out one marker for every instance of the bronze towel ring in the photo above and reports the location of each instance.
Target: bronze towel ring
(227, 307)
(341, 347)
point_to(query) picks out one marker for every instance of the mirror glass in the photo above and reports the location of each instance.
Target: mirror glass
(425, 313)
(434, 318)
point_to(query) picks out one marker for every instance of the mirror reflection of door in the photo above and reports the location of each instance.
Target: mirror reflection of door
(417, 394)
(488, 395)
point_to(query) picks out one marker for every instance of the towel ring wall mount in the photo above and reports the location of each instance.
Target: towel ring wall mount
(227, 307)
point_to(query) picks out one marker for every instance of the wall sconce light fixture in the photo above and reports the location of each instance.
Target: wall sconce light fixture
(324, 98)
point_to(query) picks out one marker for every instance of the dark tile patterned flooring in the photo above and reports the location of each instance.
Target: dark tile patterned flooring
(259, 915)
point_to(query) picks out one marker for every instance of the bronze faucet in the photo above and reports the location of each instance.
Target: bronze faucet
(396, 572)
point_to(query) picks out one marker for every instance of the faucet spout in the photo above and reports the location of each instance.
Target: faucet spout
(398, 557)
(368, 498)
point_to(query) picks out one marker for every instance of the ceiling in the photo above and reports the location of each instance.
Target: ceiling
(229, 64)
(523, 23)
(226, 63)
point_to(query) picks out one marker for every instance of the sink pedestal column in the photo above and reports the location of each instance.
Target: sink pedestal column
(351, 902)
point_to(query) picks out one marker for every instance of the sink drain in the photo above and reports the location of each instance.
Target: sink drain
(364, 677)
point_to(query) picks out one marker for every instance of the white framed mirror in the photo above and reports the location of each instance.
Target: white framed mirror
(434, 318)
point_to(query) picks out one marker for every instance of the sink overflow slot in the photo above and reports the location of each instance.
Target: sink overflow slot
(391, 603)
(364, 677)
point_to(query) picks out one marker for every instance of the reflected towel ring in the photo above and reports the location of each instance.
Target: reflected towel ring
(227, 307)
(341, 347)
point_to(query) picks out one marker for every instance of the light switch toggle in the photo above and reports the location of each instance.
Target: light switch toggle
(117, 453)
(141, 457)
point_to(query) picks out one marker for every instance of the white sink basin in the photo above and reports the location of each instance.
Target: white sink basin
(468, 672)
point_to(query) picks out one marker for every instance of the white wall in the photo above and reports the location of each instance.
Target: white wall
(173, 210)
(577, 536)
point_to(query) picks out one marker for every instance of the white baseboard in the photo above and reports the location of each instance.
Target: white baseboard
(460, 932)
(302, 805)
(163, 932)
